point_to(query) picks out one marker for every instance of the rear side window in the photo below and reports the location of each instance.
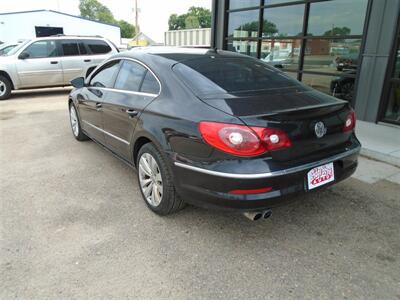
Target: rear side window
(70, 48)
(41, 49)
(130, 76)
(150, 84)
(82, 48)
(211, 75)
(105, 77)
(97, 46)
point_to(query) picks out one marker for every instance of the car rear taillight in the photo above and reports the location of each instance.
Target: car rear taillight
(350, 122)
(243, 140)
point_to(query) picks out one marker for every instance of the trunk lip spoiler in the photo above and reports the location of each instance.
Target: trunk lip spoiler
(296, 169)
(299, 109)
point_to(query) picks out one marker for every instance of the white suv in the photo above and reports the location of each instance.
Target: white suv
(51, 61)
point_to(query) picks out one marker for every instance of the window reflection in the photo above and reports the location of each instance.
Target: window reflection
(339, 17)
(243, 47)
(331, 56)
(282, 54)
(243, 24)
(283, 21)
(235, 4)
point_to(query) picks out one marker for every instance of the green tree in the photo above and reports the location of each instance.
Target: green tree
(269, 28)
(94, 10)
(196, 17)
(338, 31)
(192, 22)
(127, 30)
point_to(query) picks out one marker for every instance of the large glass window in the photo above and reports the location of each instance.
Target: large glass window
(392, 109)
(325, 53)
(283, 21)
(243, 47)
(243, 24)
(337, 18)
(235, 4)
(70, 48)
(98, 46)
(331, 56)
(283, 54)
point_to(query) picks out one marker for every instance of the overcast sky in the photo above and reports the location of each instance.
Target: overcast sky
(153, 17)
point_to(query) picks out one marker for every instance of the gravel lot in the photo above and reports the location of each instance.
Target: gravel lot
(74, 226)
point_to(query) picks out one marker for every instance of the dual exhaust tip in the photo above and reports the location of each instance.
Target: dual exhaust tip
(258, 215)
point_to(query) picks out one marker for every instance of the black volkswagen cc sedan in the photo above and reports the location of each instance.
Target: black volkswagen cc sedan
(214, 128)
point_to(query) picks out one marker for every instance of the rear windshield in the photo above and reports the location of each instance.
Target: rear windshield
(215, 75)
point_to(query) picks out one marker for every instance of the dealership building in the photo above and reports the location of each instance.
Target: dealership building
(345, 48)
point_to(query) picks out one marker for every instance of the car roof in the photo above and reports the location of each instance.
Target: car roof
(70, 37)
(176, 54)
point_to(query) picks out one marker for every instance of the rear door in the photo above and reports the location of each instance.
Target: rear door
(135, 87)
(92, 98)
(72, 60)
(42, 67)
(98, 50)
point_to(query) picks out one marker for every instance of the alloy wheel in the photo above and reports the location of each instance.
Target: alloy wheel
(150, 179)
(74, 121)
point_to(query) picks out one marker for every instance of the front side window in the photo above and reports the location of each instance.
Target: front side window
(42, 49)
(98, 46)
(70, 48)
(130, 76)
(105, 77)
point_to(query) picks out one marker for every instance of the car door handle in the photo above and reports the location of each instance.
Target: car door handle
(87, 60)
(99, 106)
(54, 62)
(131, 112)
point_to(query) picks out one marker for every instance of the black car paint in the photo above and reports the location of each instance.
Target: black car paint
(170, 121)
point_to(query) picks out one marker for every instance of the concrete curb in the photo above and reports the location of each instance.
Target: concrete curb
(386, 158)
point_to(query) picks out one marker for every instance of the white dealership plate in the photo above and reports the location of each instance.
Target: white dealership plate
(320, 175)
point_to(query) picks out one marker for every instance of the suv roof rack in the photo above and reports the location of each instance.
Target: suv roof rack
(75, 35)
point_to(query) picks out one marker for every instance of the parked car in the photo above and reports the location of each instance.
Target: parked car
(51, 61)
(214, 128)
(7, 47)
(343, 86)
(348, 62)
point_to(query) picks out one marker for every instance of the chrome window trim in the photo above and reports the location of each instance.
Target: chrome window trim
(106, 132)
(94, 72)
(274, 173)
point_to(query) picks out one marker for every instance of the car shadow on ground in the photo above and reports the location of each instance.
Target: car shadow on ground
(35, 94)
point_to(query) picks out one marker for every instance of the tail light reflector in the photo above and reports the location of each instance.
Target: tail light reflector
(243, 140)
(350, 122)
(254, 191)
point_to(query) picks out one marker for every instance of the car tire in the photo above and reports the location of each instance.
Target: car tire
(169, 201)
(75, 124)
(5, 88)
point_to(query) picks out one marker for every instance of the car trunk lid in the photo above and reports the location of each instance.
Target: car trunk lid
(302, 114)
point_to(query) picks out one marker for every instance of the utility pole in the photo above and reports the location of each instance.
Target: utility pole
(137, 22)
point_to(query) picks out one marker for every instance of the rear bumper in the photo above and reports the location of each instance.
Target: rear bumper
(209, 188)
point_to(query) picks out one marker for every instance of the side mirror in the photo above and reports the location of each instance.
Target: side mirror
(78, 82)
(23, 55)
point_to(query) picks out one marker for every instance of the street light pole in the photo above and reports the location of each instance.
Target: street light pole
(136, 22)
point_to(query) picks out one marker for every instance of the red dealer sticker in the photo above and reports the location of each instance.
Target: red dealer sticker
(320, 176)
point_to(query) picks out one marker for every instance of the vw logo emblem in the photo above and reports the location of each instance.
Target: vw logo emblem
(320, 129)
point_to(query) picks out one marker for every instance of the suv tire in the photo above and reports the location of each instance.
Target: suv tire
(5, 87)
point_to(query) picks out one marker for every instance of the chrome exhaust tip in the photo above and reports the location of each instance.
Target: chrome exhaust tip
(258, 215)
(253, 216)
(267, 214)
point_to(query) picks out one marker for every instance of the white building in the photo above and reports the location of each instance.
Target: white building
(188, 37)
(38, 23)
